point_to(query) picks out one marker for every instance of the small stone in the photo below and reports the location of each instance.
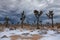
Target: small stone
(4, 36)
(25, 34)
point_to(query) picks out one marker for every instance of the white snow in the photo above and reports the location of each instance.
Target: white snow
(56, 37)
(51, 32)
(50, 35)
(34, 32)
(5, 39)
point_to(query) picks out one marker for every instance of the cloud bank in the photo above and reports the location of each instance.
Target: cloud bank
(13, 8)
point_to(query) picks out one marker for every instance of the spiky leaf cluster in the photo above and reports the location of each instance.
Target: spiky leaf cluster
(37, 13)
(22, 16)
(50, 14)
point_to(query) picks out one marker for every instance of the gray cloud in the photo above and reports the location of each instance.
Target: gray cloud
(14, 7)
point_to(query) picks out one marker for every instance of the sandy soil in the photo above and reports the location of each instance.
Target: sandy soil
(34, 37)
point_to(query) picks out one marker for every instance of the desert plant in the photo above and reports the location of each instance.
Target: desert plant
(22, 19)
(50, 16)
(37, 15)
(34, 22)
(47, 23)
(27, 21)
(0, 23)
(41, 22)
(18, 23)
(12, 23)
(6, 21)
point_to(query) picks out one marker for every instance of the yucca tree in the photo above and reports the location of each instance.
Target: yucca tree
(47, 23)
(41, 22)
(37, 15)
(34, 22)
(27, 21)
(18, 23)
(50, 16)
(12, 23)
(22, 19)
(6, 21)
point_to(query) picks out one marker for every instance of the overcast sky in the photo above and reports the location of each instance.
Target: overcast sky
(12, 8)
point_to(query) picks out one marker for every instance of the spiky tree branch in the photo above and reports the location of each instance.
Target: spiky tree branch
(22, 19)
(50, 16)
(6, 21)
(37, 15)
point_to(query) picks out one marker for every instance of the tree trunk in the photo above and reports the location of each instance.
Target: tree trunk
(52, 22)
(7, 24)
(22, 24)
(38, 23)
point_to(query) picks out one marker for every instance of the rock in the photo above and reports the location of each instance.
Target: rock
(58, 32)
(4, 36)
(31, 31)
(25, 34)
(43, 32)
(11, 28)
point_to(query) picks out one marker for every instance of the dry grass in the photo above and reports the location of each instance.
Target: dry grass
(1, 29)
(14, 37)
(34, 37)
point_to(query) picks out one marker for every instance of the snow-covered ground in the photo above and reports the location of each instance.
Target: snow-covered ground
(47, 34)
(51, 37)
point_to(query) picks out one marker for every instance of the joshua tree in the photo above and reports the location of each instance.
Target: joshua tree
(0, 23)
(37, 15)
(18, 23)
(41, 22)
(22, 19)
(6, 21)
(50, 16)
(12, 23)
(27, 21)
(34, 22)
(47, 23)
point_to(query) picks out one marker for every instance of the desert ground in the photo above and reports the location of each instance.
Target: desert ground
(29, 33)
